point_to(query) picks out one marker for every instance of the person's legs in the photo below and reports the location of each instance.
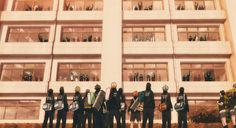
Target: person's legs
(123, 118)
(45, 120)
(84, 119)
(111, 118)
(150, 116)
(164, 116)
(51, 119)
(117, 116)
(179, 120)
(169, 119)
(89, 118)
(64, 115)
(59, 115)
(144, 119)
(75, 119)
(80, 119)
(184, 119)
(131, 124)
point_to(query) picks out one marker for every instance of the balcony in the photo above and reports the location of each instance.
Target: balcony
(198, 15)
(146, 15)
(10, 16)
(129, 87)
(80, 15)
(162, 47)
(70, 86)
(200, 47)
(66, 48)
(205, 87)
(23, 87)
(33, 48)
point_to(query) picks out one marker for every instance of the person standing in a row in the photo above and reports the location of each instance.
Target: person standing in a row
(166, 114)
(123, 107)
(49, 114)
(149, 106)
(222, 105)
(97, 115)
(232, 106)
(62, 114)
(114, 105)
(78, 114)
(87, 110)
(182, 114)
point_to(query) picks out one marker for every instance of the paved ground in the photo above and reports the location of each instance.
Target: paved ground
(69, 126)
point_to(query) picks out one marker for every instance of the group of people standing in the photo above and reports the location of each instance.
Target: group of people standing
(227, 106)
(115, 106)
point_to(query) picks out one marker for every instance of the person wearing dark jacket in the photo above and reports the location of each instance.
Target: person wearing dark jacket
(49, 114)
(97, 115)
(166, 114)
(148, 106)
(88, 112)
(78, 114)
(123, 107)
(182, 115)
(61, 114)
(232, 106)
(114, 105)
(222, 104)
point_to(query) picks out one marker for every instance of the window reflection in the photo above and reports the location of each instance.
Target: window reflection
(32, 5)
(83, 5)
(145, 72)
(81, 34)
(22, 72)
(28, 34)
(203, 72)
(19, 109)
(79, 72)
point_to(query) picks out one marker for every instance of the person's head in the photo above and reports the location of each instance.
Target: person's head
(120, 90)
(97, 87)
(61, 90)
(50, 92)
(181, 90)
(135, 94)
(148, 86)
(77, 89)
(222, 93)
(234, 86)
(165, 88)
(113, 85)
(87, 91)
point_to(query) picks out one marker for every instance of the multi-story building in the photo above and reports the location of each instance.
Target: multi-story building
(52, 43)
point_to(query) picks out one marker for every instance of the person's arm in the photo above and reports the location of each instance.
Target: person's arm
(65, 102)
(153, 100)
(169, 99)
(132, 101)
(186, 101)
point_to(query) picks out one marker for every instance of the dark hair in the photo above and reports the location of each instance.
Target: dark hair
(222, 92)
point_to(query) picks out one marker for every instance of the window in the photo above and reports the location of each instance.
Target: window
(146, 5)
(145, 72)
(24, 34)
(144, 34)
(19, 109)
(79, 72)
(83, 5)
(81, 34)
(203, 72)
(195, 5)
(199, 33)
(22, 72)
(203, 111)
(32, 5)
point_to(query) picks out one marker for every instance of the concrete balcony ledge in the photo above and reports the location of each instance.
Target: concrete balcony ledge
(205, 87)
(23, 87)
(70, 86)
(130, 86)
(146, 15)
(33, 48)
(198, 15)
(202, 47)
(77, 48)
(79, 15)
(28, 16)
(162, 47)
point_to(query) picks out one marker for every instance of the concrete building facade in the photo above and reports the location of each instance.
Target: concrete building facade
(54, 43)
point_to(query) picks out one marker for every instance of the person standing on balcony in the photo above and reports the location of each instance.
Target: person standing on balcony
(114, 106)
(123, 107)
(62, 114)
(148, 106)
(166, 114)
(232, 106)
(78, 114)
(222, 104)
(182, 114)
(49, 114)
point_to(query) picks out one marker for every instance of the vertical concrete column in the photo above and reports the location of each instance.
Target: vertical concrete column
(8, 5)
(111, 65)
(231, 31)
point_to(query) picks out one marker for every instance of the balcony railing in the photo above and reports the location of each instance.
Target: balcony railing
(139, 5)
(32, 5)
(195, 5)
(83, 5)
